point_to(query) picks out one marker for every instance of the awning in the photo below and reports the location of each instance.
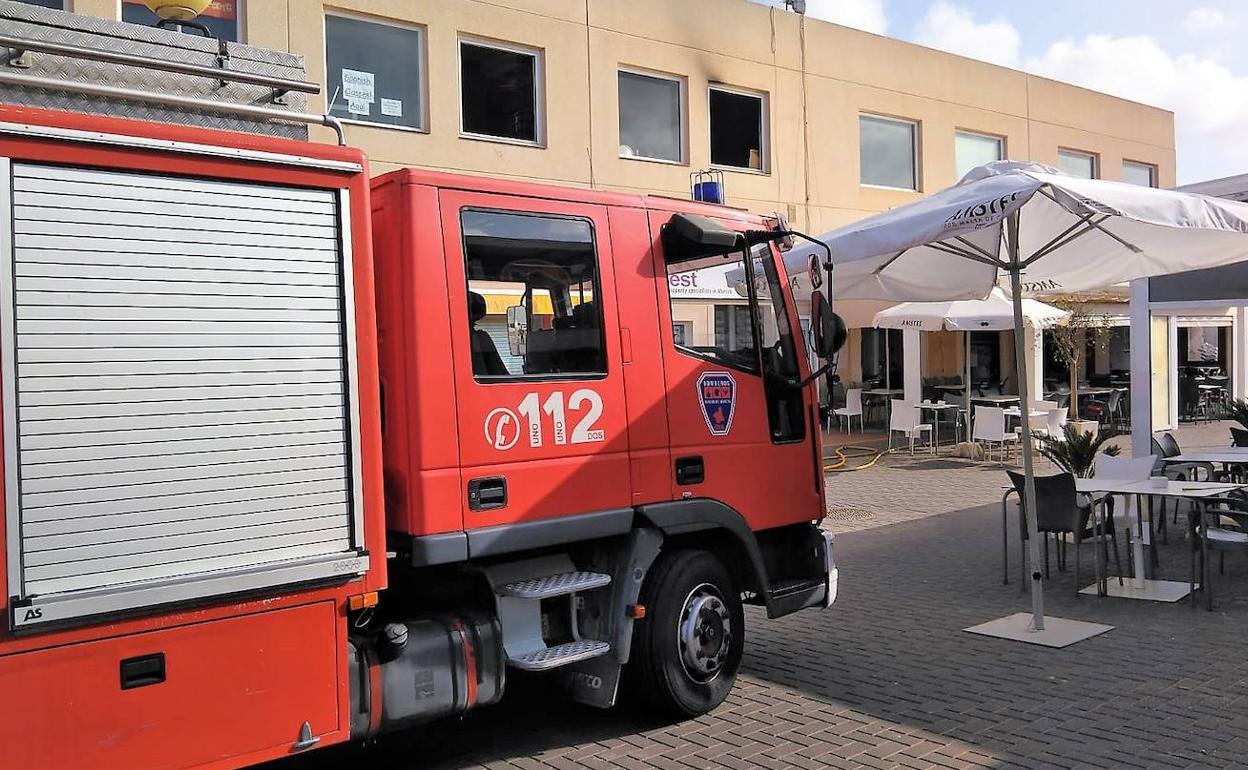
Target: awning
(1203, 321)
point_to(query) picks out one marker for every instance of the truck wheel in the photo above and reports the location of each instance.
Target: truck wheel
(687, 650)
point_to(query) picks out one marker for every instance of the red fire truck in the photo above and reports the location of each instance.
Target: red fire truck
(271, 483)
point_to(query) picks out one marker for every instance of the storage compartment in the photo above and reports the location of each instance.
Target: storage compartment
(173, 699)
(178, 389)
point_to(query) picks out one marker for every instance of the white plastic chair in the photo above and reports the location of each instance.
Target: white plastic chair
(904, 418)
(1056, 423)
(852, 409)
(990, 429)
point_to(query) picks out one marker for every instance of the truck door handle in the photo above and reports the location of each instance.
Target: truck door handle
(487, 493)
(690, 470)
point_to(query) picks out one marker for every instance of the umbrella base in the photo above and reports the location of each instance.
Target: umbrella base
(1152, 590)
(1058, 632)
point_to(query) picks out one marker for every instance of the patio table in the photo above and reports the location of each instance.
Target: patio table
(1141, 588)
(937, 407)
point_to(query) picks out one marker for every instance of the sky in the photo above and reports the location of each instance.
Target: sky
(1187, 56)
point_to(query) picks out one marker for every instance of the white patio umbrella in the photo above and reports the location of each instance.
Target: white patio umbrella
(1042, 231)
(995, 313)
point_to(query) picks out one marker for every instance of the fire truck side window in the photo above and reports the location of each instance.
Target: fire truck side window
(532, 296)
(712, 319)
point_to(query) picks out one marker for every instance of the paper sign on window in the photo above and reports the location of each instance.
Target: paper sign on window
(392, 107)
(358, 107)
(358, 86)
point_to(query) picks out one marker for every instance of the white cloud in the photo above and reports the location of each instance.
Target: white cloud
(1210, 102)
(1201, 20)
(867, 15)
(954, 28)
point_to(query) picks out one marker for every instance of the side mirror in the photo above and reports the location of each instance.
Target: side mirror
(517, 330)
(827, 329)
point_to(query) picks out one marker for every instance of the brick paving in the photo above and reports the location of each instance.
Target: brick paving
(887, 678)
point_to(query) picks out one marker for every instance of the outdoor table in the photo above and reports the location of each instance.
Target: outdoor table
(995, 399)
(1141, 588)
(936, 408)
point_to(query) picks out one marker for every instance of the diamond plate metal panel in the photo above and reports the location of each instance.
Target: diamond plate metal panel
(26, 21)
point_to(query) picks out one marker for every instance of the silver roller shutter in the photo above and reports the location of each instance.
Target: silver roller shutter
(178, 370)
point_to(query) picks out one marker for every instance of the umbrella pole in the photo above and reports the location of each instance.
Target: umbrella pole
(966, 361)
(1029, 486)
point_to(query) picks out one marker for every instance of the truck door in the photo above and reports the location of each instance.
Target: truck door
(740, 432)
(536, 351)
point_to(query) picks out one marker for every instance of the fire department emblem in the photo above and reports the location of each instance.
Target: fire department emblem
(717, 393)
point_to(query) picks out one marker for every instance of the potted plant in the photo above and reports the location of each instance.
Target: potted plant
(1071, 340)
(1075, 451)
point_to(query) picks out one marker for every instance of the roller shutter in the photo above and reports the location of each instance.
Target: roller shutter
(178, 389)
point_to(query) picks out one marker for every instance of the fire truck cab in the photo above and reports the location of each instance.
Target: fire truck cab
(293, 457)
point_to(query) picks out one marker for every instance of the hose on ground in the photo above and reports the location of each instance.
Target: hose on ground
(844, 454)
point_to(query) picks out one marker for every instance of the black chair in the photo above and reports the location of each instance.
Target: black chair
(1058, 513)
(1239, 437)
(1211, 533)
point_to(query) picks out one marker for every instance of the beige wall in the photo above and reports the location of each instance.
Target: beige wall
(812, 164)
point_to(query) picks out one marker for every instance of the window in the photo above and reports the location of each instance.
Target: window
(738, 129)
(972, 150)
(713, 319)
(56, 5)
(532, 284)
(651, 124)
(376, 72)
(221, 17)
(710, 303)
(498, 91)
(1075, 163)
(888, 152)
(1143, 174)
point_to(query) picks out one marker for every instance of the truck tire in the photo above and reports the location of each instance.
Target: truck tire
(687, 649)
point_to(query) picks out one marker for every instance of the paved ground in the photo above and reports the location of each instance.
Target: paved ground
(887, 678)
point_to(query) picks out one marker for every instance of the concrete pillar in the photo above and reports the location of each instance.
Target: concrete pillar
(1141, 369)
(912, 365)
(1033, 349)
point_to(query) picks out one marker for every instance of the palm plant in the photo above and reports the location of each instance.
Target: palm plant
(1075, 451)
(1237, 410)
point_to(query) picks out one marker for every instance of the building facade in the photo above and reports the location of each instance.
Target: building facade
(823, 123)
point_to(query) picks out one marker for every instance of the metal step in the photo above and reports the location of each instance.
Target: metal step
(554, 585)
(560, 655)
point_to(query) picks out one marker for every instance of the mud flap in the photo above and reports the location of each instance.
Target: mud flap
(594, 682)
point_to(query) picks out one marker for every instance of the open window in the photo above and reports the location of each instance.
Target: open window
(732, 311)
(533, 292)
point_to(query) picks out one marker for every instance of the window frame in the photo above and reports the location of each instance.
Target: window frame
(499, 379)
(1152, 171)
(1000, 140)
(764, 127)
(1095, 158)
(422, 56)
(916, 159)
(682, 84)
(539, 88)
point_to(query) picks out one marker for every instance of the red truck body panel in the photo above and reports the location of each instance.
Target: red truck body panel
(243, 674)
(649, 394)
